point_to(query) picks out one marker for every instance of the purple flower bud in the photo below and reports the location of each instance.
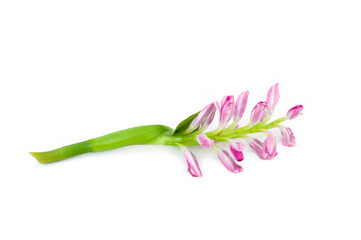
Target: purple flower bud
(273, 96)
(228, 161)
(236, 149)
(259, 112)
(240, 106)
(205, 141)
(204, 118)
(294, 112)
(192, 162)
(288, 139)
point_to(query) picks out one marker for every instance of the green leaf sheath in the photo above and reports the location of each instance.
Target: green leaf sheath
(183, 126)
(149, 134)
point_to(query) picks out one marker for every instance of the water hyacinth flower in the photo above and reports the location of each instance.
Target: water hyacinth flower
(192, 131)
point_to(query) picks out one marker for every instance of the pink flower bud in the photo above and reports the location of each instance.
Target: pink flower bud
(265, 150)
(294, 112)
(259, 112)
(257, 146)
(238, 155)
(240, 106)
(270, 146)
(203, 119)
(192, 162)
(236, 149)
(226, 110)
(226, 99)
(238, 146)
(288, 139)
(273, 96)
(204, 141)
(228, 161)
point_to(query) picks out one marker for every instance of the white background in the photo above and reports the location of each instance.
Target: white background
(74, 70)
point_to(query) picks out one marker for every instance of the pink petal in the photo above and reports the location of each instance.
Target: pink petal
(238, 146)
(294, 112)
(204, 141)
(202, 117)
(265, 150)
(238, 155)
(270, 146)
(227, 109)
(288, 139)
(217, 106)
(241, 104)
(192, 162)
(226, 99)
(228, 161)
(259, 112)
(211, 116)
(257, 146)
(206, 124)
(273, 96)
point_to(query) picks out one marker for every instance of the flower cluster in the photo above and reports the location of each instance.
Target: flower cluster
(236, 136)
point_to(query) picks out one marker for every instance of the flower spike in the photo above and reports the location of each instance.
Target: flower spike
(192, 132)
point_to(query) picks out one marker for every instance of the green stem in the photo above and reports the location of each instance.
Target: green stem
(149, 134)
(63, 152)
(275, 123)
